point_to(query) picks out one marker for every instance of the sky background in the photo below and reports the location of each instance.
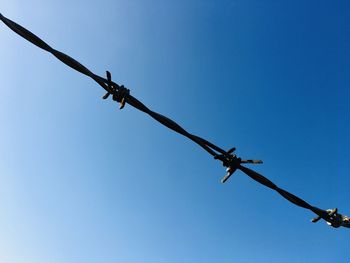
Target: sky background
(81, 181)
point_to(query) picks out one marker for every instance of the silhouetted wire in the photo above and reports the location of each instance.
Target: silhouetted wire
(229, 160)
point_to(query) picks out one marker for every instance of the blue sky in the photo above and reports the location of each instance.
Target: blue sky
(81, 181)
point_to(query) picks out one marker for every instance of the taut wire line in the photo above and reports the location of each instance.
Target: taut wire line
(122, 95)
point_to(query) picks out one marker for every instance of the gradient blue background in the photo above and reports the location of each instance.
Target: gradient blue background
(81, 181)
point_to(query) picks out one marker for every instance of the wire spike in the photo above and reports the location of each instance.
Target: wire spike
(231, 150)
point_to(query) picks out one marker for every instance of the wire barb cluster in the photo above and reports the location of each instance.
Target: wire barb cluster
(119, 93)
(334, 219)
(228, 158)
(232, 162)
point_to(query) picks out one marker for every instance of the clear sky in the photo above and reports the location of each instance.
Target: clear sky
(81, 181)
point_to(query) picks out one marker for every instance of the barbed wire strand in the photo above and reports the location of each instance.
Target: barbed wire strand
(122, 95)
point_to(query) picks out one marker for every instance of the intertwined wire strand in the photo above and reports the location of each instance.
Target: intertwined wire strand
(231, 161)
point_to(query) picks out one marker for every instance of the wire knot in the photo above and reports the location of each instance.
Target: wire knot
(119, 93)
(230, 161)
(334, 219)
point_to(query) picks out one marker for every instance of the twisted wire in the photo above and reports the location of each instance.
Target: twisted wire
(122, 95)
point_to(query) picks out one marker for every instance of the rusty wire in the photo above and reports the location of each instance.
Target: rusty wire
(231, 161)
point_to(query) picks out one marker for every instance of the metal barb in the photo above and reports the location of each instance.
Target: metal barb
(109, 84)
(119, 94)
(334, 219)
(232, 162)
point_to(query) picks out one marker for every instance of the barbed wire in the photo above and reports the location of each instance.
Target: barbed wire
(122, 95)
